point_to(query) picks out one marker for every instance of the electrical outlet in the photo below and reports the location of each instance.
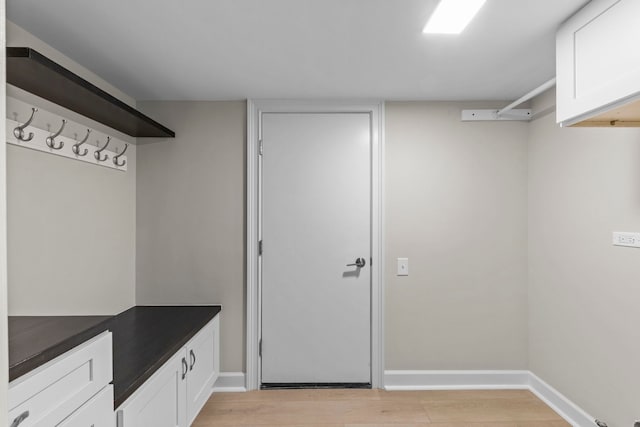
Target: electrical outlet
(621, 238)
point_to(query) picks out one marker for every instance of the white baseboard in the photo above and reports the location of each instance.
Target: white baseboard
(230, 382)
(568, 410)
(455, 380)
(489, 380)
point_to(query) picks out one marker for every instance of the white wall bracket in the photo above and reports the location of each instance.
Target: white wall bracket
(492, 115)
(508, 112)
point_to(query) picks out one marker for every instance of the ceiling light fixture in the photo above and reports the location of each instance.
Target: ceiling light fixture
(452, 16)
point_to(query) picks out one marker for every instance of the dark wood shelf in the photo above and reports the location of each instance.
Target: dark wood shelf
(37, 74)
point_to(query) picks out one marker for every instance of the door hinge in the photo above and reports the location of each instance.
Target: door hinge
(260, 247)
(260, 348)
(260, 145)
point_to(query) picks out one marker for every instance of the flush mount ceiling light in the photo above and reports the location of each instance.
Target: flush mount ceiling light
(452, 16)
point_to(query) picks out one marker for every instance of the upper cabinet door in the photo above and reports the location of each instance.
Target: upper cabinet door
(598, 63)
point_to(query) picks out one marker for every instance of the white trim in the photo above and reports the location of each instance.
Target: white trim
(4, 340)
(254, 110)
(568, 410)
(253, 318)
(455, 380)
(490, 380)
(230, 382)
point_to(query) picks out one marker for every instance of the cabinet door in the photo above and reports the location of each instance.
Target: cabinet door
(203, 356)
(597, 59)
(160, 401)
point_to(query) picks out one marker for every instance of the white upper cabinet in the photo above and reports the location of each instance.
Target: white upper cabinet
(598, 65)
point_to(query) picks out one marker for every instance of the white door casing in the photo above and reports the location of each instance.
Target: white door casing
(315, 221)
(256, 111)
(4, 335)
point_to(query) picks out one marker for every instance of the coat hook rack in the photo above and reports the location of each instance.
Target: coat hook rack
(47, 141)
(116, 158)
(76, 146)
(51, 140)
(97, 154)
(18, 132)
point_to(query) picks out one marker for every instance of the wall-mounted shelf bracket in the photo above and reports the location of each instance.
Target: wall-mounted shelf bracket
(523, 114)
(508, 112)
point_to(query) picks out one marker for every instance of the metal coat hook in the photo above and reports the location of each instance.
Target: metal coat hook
(51, 140)
(117, 157)
(76, 147)
(19, 131)
(97, 153)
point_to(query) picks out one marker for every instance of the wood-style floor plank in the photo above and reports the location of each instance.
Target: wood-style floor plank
(489, 410)
(378, 408)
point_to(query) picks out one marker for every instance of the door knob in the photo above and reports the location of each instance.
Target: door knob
(360, 262)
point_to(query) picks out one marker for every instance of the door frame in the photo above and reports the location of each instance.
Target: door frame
(255, 109)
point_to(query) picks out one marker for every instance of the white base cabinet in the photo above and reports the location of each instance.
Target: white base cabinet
(71, 390)
(598, 65)
(175, 394)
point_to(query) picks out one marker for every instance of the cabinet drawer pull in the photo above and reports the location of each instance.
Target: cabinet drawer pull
(193, 359)
(23, 416)
(185, 367)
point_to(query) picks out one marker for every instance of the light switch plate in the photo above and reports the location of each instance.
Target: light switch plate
(622, 238)
(403, 266)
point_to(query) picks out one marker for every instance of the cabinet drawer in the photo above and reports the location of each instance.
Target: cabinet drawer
(55, 390)
(98, 412)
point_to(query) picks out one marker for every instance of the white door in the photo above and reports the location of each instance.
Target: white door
(316, 219)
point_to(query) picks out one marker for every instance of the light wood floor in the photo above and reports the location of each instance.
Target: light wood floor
(369, 408)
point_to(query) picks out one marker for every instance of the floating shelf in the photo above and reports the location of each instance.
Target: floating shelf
(37, 74)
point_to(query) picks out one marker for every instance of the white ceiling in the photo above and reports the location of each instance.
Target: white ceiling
(236, 49)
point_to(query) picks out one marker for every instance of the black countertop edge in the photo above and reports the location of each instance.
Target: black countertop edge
(36, 340)
(146, 337)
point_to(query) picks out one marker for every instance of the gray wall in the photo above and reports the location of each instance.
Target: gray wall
(191, 211)
(71, 240)
(583, 292)
(456, 207)
(464, 305)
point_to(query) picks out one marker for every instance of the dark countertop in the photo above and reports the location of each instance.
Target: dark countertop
(35, 340)
(144, 338)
